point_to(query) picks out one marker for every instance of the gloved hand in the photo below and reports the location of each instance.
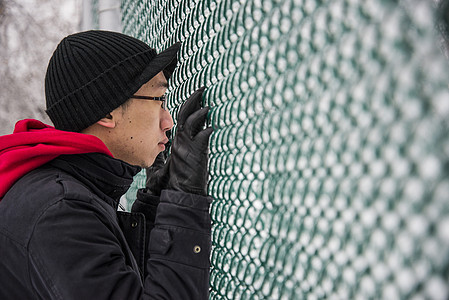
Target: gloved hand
(147, 199)
(186, 167)
(157, 175)
(187, 163)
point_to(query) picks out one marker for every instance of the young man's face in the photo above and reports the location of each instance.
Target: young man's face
(142, 125)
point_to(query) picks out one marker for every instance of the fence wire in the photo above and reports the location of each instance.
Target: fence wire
(329, 161)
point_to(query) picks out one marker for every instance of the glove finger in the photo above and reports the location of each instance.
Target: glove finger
(195, 122)
(202, 138)
(191, 105)
(157, 180)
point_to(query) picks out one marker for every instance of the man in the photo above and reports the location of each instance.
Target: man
(61, 236)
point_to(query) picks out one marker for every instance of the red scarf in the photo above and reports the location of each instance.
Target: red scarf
(34, 143)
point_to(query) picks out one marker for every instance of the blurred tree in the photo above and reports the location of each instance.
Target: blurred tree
(29, 32)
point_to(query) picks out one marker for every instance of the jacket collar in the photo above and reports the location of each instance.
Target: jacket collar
(106, 176)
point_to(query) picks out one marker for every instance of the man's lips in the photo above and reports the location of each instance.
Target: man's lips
(163, 142)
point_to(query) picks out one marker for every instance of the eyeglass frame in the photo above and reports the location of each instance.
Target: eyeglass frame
(162, 98)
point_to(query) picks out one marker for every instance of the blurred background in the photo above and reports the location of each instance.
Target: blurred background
(29, 32)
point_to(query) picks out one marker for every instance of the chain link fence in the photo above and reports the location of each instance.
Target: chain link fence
(329, 160)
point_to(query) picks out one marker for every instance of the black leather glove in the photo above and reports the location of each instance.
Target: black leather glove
(189, 151)
(157, 175)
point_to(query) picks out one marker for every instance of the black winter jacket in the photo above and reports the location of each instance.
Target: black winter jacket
(61, 236)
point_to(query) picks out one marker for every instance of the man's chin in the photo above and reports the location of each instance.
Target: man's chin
(148, 163)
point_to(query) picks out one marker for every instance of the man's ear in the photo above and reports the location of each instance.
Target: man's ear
(108, 121)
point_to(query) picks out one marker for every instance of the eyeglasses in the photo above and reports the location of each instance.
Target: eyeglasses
(162, 98)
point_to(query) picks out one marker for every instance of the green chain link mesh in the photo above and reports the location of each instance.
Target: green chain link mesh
(128, 199)
(329, 161)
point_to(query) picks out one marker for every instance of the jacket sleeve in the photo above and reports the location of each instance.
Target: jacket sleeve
(179, 248)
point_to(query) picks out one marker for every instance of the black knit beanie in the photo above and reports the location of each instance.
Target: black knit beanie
(92, 73)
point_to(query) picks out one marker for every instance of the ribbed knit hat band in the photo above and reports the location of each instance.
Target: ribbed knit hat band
(91, 73)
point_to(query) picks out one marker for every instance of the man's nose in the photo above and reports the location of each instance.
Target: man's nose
(166, 121)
